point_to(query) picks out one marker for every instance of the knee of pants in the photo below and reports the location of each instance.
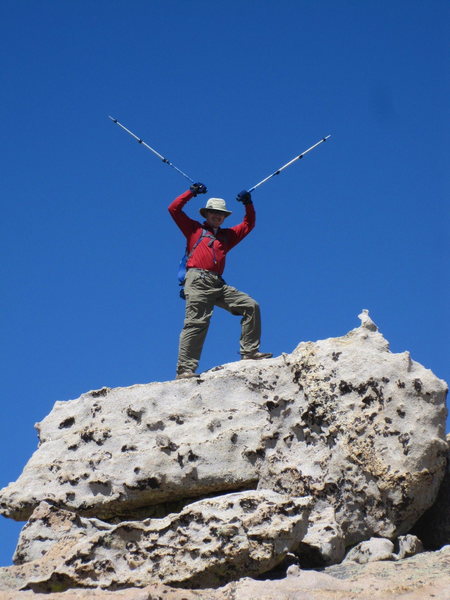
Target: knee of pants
(250, 310)
(254, 306)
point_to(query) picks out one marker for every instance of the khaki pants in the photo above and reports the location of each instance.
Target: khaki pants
(203, 291)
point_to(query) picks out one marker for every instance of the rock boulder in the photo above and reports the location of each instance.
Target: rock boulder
(333, 444)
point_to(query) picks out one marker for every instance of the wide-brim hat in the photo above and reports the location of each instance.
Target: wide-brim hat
(215, 204)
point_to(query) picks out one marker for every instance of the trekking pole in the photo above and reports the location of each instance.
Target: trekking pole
(140, 141)
(278, 171)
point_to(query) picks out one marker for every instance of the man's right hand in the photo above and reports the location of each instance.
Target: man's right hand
(198, 188)
(244, 197)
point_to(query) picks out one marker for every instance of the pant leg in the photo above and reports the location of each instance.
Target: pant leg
(239, 303)
(200, 296)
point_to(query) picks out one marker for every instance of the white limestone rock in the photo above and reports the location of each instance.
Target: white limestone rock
(383, 549)
(111, 452)
(236, 534)
(367, 435)
(343, 420)
(371, 550)
(208, 543)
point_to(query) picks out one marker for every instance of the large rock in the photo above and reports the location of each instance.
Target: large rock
(207, 544)
(342, 421)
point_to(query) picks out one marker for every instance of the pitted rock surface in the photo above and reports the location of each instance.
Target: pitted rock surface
(367, 437)
(343, 425)
(47, 526)
(207, 544)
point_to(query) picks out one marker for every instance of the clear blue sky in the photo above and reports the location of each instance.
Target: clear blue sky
(229, 91)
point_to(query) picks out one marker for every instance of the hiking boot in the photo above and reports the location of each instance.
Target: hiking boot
(186, 375)
(256, 355)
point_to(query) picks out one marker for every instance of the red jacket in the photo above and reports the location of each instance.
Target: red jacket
(204, 256)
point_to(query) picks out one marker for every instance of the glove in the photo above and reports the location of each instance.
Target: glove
(198, 188)
(244, 197)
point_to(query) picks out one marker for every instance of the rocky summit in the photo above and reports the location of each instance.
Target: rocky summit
(328, 455)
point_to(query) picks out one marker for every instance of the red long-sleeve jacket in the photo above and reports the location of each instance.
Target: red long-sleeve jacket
(210, 258)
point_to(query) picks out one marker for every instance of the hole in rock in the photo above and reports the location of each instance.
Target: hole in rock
(67, 423)
(100, 487)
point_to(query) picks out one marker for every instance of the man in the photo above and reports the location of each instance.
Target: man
(207, 246)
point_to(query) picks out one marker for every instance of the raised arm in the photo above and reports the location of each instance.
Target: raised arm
(185, 223)
(244, 228)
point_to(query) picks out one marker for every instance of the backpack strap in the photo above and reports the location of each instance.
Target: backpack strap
(187, 255)
(204, 234)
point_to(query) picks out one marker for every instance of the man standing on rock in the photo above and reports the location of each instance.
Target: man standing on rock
(207, 246)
